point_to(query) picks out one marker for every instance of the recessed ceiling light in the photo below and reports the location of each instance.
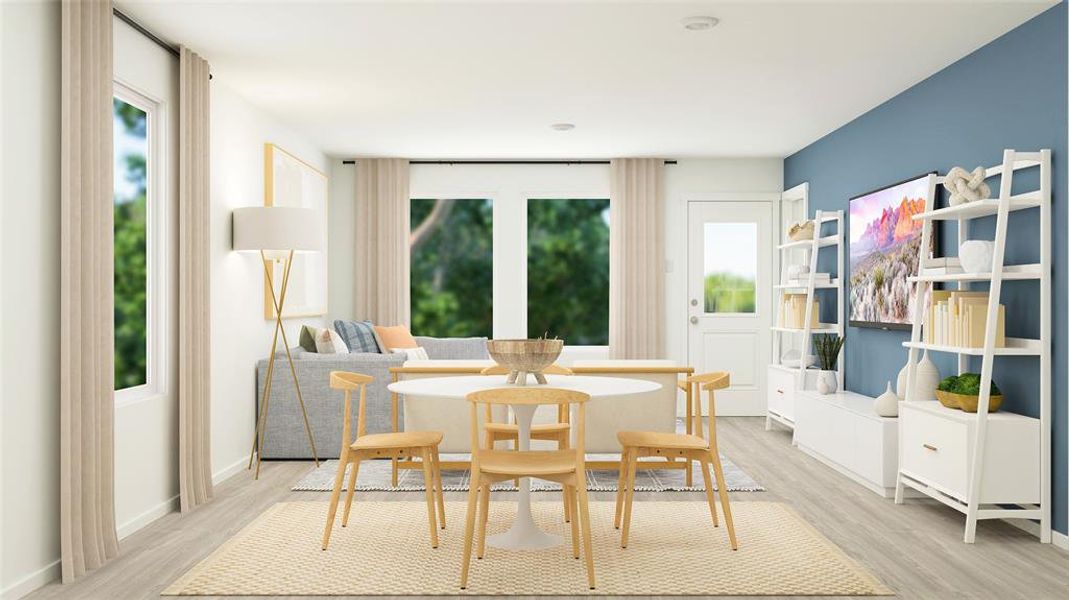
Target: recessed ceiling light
(699, 23)
(562, 126)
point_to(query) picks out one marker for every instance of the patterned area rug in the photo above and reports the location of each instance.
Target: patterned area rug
(374, 476)
(674, 550)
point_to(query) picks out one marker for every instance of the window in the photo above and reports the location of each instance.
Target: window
(568, 270)
(452, 267)
(730, 267)
(131, 192)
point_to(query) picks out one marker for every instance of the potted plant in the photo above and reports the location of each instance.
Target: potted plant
(827, 349)
(963, 392)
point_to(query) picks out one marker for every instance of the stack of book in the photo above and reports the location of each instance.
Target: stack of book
(792, 311)
(958, 318)
(818, 279)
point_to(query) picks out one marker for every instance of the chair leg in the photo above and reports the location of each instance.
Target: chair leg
(516, 448)
(438, 483)
(334, 497)
(428, 487)
(710, 497)
(562, 444)
(484, 514)
(629, 497)
(724, 502)
(584, 518)
(621, 483)
(469, 527)
(349, 492)
(570, 496)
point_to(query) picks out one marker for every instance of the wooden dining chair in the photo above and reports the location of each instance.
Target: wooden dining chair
(565, 466)
(362, 446)
(688, 446)
(559, 432)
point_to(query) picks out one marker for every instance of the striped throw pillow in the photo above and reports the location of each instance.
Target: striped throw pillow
(359, 336)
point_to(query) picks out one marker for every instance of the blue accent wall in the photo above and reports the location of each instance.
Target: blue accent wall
(1011, 93)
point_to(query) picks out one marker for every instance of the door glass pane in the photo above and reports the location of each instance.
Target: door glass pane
(730, 267)
(568, 270)
(131, 269)
(452, 266)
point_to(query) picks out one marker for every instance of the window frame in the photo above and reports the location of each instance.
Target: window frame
(156, 259)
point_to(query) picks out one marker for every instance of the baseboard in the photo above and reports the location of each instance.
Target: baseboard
(1057, 539)
(31, 582)
(168, 506)
(229, 471)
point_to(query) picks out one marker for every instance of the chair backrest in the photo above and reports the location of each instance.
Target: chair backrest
(350, 382)
(553, 369)
(528, 396)
(710, 382)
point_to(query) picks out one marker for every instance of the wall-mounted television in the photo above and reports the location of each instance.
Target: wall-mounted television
(884, 251)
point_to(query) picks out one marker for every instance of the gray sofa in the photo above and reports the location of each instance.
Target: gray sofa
(285, 437)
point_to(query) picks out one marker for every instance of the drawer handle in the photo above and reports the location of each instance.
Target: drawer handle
(779, 392)
(931, 447)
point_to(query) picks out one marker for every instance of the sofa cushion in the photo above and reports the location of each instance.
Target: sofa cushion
(396, 336)
(359, 336)
(307, 338)
(329, 342)
(473, 348)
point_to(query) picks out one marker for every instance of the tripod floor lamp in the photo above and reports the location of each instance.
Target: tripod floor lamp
(276, 233)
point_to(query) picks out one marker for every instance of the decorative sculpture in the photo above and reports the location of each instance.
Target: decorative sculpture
(964, 186)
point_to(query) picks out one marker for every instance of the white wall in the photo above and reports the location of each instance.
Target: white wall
(29, 270)
(510, 185)
(240, 334)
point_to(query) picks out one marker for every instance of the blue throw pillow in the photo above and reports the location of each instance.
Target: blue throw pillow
(359, 336)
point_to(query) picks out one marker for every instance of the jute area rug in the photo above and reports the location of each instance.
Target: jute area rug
(674, 550)
(375, 476)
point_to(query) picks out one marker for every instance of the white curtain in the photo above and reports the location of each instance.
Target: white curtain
(86, 368)
(381, 245)
(194, 284)
(636, 258)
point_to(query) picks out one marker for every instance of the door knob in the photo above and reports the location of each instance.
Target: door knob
(694, 320)
(694, 302)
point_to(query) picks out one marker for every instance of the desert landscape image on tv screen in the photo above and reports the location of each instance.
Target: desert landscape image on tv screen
(884, 251)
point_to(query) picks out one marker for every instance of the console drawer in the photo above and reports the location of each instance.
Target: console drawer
(781, 385)
(935, 451)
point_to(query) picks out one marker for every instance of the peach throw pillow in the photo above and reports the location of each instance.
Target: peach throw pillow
(397, 336)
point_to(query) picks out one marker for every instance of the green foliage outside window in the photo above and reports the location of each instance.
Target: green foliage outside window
(730, 293)
(452, 267)
(131, 270)
(568, 270)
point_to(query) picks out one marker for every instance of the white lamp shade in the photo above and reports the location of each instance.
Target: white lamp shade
(278, 228)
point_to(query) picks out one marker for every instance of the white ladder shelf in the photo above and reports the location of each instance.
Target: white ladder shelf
(972, 504)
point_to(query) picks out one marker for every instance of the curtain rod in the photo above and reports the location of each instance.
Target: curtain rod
(505, 162)
(145, 32)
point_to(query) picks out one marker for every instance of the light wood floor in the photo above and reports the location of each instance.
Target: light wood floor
(915, 549)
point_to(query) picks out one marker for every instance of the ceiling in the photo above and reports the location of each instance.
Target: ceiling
(487, 79)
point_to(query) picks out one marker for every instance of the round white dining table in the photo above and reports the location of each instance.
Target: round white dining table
(524, 534)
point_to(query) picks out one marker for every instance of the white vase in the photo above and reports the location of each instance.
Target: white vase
(827, 382)
(886, 404)
(900, 383)
(926, 379)
(976, 256)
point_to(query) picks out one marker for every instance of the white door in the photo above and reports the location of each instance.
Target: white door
(729, 286)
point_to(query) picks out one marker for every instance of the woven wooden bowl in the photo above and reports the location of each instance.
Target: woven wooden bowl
(965, 402)
(524, 356)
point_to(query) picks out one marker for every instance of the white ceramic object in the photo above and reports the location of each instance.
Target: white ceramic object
(966, 186)
(976, 256)
(827, 382)
(925, 380)
(796, 271)
(886, 404)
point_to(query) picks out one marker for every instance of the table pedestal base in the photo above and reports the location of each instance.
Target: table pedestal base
(524, 535)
